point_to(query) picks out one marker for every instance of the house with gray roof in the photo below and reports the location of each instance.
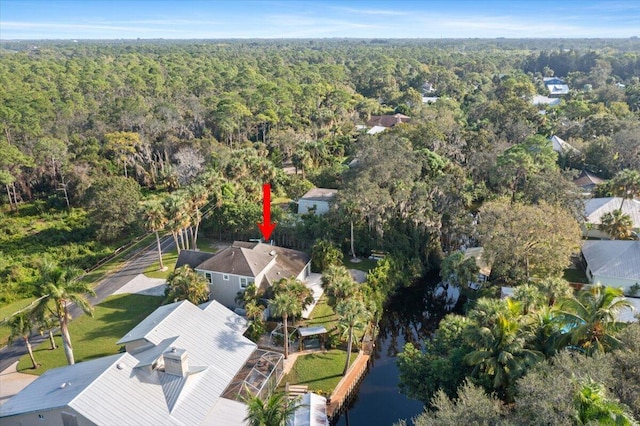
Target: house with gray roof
(587, 181)
(594, 208)
(231, 270)
(316, 200)
(177, 369)
(612, 263)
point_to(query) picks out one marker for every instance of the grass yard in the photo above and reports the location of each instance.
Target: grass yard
(322, 314)
(364, 265)
(6, 311)
(94, 337)
(320, 371)
(169, 259)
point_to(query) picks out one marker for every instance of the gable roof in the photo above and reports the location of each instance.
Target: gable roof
(192, 258)
(123, 389)
(594, 208)
(559, 145)
(250, 259)
(387, 120)
(616, 259)
(320, 194)
(587, 179)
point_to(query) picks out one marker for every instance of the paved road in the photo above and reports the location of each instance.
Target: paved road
(108, 286)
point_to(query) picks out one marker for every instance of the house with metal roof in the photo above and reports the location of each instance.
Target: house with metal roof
(612, 263)
(231, 270)
(179, 365)
(556, 86)
(316, 200)
(594, 208)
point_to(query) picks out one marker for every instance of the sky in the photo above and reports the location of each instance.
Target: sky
(200, 19)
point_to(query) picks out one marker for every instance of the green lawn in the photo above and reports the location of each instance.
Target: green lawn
(169, 259)
(364, 265)
(6, 311)
(320, 371)
(322, 314)
(94, 337)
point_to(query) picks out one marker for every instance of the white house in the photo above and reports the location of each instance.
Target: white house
(556, 86)
(561, 146)
(317, 200)
(181, 367)
(594, 208)
(231, 270)
(612, 263)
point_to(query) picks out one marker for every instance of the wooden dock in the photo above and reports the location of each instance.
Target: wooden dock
(347, 386)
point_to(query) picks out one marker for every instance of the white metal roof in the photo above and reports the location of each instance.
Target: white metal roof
(616, 259)
(594, 208)
(226, 412)
(224, 315)
(115, 390)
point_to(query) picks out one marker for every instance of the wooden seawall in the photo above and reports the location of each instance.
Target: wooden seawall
(347, 387)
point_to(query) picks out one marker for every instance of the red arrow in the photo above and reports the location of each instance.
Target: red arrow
(266, 227)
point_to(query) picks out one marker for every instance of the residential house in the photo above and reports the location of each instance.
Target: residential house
(316, 200)
(232, 269)
(594, 208)
(181, 367)
(612, 263)
(379, 123)
(484, 268)
(562, 147)
(545, 100)
(587, 181)
(556, 86)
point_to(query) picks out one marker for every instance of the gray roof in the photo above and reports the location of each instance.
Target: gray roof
(561, 146)
(320, 194)
(122, 389)
(192, 258)
(250, 259)
(594, 208)
(616, 259)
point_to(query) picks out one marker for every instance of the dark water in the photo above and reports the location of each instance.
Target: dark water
(409, 317)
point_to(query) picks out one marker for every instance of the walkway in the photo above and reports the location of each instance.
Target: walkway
(13, 382)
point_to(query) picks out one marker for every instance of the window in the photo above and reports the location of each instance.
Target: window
(225, 277)
(243, 282)
(209, 277)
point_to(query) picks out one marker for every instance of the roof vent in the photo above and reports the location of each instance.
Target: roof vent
(65, 384)
(272, 253)
(176, 362)
(119, 366)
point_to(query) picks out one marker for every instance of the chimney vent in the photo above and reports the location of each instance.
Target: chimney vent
(176, 362)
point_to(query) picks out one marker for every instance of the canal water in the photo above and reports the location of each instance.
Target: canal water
(409, 317)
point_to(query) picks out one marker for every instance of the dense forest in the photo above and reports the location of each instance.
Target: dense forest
(112, 139)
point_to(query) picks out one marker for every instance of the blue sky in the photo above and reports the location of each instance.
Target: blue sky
(98, 19)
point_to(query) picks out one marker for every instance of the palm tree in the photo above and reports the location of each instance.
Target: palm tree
(283, 304)
(554, 289)
(46, 323)
(618, 225)
(594, 407)
(274, 411)
(185, 284)
(61, 287)
(500, 352)
(338, 284)
(155, 220)
(353, 314)
(21, 326)
(295, 287)
(591, 319)
(198, 198)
